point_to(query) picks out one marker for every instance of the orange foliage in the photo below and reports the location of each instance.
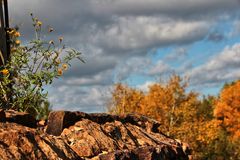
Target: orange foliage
(125, 100)
(183, 116)
(227, 109)
(168, 103)
(208, 131)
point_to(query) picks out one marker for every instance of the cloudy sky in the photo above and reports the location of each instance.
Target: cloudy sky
(137, 42)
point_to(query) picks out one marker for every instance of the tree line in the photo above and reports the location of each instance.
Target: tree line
(210, 125)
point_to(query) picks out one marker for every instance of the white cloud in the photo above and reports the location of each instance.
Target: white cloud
(222, 67)
(178, 54)
(129, 33)
(159, 68)
(80, 98)
(145, 87)
(236, 29)
(134, 65)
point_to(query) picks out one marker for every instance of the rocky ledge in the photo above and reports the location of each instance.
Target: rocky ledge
(81, 136)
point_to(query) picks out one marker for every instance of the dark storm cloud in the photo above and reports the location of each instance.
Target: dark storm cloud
(119, 27)
(88, 17)
(91, 67)
(175, 8)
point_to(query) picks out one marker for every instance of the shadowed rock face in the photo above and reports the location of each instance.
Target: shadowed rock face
(22, 118)
(21, 142)
(59, 120)
(77, 135)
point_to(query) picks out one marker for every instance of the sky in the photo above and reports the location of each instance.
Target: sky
(137, 42)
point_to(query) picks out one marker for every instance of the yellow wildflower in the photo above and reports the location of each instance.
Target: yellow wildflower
(5, 72)
(50, 29)
(13, 49)
(51, 42)
(65, 67)
(17, 34)
(60, 39)
(11, 32)
(58, 61)
(17, 42)
(60, 72)
(39, 23)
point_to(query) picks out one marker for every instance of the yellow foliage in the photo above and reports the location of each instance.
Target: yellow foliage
(125, 100)
(208, 131)
(168, 103)
(183, 116)
(227, 109)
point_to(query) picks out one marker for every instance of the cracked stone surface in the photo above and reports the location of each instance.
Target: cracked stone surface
(77, 135)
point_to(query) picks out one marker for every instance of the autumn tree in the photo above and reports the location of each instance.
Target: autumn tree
(209, 125)
(125, 100)
(227, 114)
(170, 104)
(227, 109)
(216, 137)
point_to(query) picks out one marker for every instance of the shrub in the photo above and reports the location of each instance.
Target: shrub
(30, 68)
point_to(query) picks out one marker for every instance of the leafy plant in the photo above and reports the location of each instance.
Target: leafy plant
(31, 67)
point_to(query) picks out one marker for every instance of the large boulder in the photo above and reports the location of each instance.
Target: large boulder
(78, 135)
(21, 139)
(105, 136)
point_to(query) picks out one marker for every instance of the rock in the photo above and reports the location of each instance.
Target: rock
(115, 137)
(81, 136)
(22, 118)
(142, 153)
(41, 123)
(21, 142)
(121, 137)
(55, 123)
(58, 120)
(2, 116)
